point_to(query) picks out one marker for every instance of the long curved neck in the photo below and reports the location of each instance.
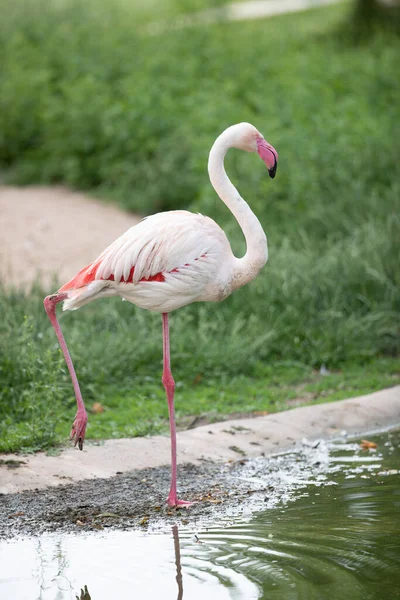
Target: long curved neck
(246, 268)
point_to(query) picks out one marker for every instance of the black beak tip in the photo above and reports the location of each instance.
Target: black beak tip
(272, 172)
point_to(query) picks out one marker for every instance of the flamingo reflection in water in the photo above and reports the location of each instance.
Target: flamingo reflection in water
(84, 595)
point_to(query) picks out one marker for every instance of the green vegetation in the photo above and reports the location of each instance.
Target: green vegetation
(118, 355)
(371, 14)
(90, 99)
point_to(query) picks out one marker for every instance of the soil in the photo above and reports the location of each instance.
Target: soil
(122, 501)
(137, 499)
(50, 233)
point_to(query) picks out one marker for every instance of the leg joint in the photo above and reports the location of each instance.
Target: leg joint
(168, 381)
(51, 301)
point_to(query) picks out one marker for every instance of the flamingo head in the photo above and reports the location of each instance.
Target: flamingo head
(250, 139)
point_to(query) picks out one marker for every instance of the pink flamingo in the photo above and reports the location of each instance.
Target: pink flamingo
(169, 260)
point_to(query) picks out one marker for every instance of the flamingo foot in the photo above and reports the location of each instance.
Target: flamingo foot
(173, 501)
(79, 428)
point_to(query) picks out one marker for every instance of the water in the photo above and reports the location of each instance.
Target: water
(339, 538)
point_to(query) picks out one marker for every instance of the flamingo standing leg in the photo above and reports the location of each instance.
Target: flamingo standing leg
(79, 425)
(169, 385)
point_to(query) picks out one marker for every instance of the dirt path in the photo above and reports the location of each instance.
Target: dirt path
(51, 231)
(238, 11)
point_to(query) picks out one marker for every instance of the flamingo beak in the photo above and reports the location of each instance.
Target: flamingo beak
(272, 171)
(269, 156)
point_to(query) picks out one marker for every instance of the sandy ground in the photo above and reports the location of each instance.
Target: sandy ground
(49, 232)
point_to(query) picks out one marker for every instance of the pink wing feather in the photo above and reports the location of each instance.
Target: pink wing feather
(88, 274)
(158, 245)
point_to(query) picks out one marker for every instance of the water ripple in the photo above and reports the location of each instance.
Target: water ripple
(328, 543)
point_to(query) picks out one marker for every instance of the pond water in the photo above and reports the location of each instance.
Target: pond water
(338, 538)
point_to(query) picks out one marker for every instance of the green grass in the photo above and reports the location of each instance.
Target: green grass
(117, 352)
(89, 99)
(275, 388)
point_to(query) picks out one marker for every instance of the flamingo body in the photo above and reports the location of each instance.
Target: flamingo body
(164, 262)
(169, 260)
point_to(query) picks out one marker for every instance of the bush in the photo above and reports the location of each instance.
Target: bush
(33, 378)
(90, 100)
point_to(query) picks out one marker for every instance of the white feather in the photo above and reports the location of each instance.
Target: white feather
(189, 250)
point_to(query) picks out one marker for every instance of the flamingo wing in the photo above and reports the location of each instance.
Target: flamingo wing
(158, 245)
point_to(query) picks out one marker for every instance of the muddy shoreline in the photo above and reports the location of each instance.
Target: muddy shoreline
(136, 500)
(127, 501)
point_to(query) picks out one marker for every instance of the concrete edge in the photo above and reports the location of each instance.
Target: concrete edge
(224, 441)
